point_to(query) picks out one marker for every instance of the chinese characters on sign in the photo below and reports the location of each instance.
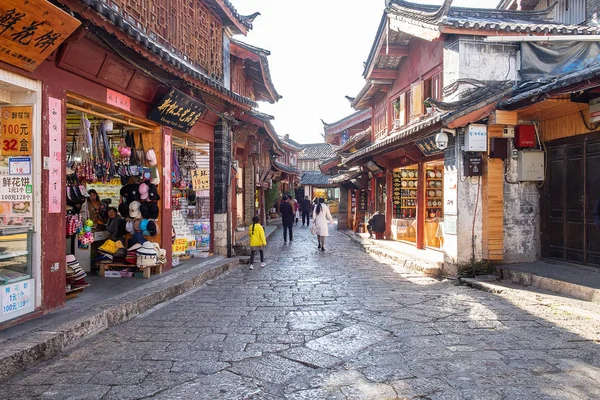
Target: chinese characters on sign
(17, 297)
(362, 201)
(54, 150)
(15, 131)
(31, 30)
(177, 110)
(15, 188)
(200, 179)
(117, 99)
(428, 146)
(19, 165)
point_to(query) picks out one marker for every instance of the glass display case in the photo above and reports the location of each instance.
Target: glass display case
(16, 285)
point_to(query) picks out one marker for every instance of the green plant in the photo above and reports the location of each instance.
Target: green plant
(474, 268)
(427, 104)
(271, 196)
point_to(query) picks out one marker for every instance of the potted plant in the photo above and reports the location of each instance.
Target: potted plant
(427, 106)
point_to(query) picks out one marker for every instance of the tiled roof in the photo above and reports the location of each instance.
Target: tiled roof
(316, 151)
(435, 17)
(285, 168)
(314, 178)
(117, 20)
(347, 122)
(411, 132)
(530, 92)
(290, 144)
(345, 176)
(354, 140)
(260, 73)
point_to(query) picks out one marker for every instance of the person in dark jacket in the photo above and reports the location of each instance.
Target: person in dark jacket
(306, 207)
(597, 213)
(115, 225)
(287, 218)
(376, 223)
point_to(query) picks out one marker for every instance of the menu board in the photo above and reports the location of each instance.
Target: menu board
(362, 201)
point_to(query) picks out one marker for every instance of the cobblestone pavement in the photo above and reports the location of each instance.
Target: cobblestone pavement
(333, 325)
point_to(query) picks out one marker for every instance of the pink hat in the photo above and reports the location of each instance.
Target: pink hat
(143, 190)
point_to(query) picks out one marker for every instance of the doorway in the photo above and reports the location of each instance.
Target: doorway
(568, 200)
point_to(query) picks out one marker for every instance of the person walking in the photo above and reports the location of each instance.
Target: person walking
(258, 241)
(321, 217)
(287, 218)
(296, 209)
(306, 207)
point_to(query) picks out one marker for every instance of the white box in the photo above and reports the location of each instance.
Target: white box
(476, 138)
(112, 274)
(530, 166)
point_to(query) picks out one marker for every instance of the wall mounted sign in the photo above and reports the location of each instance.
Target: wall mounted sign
(15, 130)
(362, 201)
(428, 146)
(118, 100)
(19, 165)
(55, 188)
(476, 138)
(200, 179)
(31, 30)
(177, 110)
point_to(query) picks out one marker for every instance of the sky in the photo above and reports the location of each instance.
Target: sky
(318, 48)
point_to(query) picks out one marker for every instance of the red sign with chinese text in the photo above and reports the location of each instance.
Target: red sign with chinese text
(118, 100)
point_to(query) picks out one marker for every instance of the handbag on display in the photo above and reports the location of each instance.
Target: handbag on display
(154, 175)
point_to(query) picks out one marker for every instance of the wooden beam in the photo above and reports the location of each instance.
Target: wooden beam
(394, 50)
(383, 74)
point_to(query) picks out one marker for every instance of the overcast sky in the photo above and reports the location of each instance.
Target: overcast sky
(318, 48)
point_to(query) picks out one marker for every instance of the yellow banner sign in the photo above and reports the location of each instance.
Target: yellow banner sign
(200, 179)
(31, 30)
(15, 131)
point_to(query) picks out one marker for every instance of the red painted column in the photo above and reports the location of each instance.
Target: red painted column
(421, 205)
(166, 217)
(53, 242)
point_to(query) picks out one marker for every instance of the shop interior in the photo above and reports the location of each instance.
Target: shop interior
(190, 198)
(112, 197)
(404, 200)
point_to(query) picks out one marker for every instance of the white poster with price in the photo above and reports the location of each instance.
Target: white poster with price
(17, 299)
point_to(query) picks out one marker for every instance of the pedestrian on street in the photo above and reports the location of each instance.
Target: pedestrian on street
(287, 218)
(321, 216)
(258, 241)
(306, 208)
(296, 209)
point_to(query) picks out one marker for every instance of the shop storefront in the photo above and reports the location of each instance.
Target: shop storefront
(191, 198)
(20, 196)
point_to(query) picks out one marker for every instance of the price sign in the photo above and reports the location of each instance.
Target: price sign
(200, 179)
(15, 131)
(17, 297)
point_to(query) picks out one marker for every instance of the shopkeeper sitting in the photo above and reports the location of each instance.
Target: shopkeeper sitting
(96, 210)
(376, 224)
(115, 225)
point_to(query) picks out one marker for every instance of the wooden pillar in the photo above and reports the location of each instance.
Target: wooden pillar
(492, 193)
(421, 211)
(163, 141)
(389, 206)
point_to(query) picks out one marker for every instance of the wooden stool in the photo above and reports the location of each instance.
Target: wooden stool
(379, 235)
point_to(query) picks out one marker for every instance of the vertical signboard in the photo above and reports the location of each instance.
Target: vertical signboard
(15, 131)
(167, 171)
(55, 189)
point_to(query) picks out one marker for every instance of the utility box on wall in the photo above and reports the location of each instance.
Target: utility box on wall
(499, 148)
(473, 165)
(524, 136)
(476, 138)
(530, 166)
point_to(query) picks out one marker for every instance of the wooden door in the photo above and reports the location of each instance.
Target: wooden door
(568, 199)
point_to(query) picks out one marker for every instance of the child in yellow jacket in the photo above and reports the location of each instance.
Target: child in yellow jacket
(257, 241)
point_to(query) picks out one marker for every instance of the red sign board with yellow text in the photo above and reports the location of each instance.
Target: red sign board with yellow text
(31, 30)
(15, 131)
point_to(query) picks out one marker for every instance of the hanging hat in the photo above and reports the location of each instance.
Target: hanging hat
(130, 192)
(151, 157)
(134, 209)
(151, 228)
(153, 192)
(153, 213)
(143, 189)
(145, 210)
(143, 225)
(124, 209)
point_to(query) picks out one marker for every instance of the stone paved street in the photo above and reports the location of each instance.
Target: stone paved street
(333, 325)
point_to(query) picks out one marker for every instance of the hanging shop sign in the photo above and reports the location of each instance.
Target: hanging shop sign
(15, 131)
(428, 146)
(200, 179)
(362, 201)
(31, 30)
(177, 110)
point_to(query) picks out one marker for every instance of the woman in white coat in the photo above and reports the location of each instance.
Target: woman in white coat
(321, 217)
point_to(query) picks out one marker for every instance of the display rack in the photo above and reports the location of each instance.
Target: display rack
(404, 195)
(434, 193)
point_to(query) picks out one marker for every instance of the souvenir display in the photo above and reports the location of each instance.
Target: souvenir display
(404, 194)
(434, 197)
